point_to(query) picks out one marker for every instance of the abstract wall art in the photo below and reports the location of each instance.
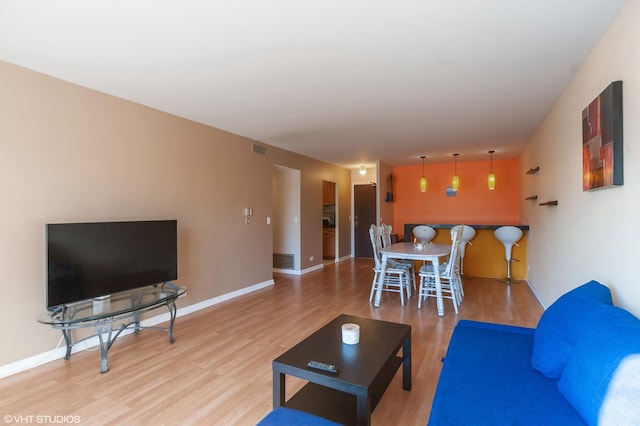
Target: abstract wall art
(602, 140)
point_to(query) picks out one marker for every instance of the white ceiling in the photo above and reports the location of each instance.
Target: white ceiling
(344, 81)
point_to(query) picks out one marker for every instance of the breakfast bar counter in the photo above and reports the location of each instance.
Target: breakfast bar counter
(409, 226)
(484, 257)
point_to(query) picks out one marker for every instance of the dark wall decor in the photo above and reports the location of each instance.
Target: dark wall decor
(602, 140)
(389, 197)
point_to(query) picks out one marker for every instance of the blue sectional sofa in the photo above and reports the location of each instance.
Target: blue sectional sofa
(579, 366)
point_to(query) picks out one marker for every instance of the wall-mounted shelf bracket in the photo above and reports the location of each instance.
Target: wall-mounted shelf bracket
(549, 203)
(533, 171)
(533, 197)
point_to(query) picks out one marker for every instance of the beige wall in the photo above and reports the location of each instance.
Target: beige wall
(313, 172)
(589, 235)
(72, 154)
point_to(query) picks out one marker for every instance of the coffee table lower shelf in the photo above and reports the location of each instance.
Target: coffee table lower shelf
(339, 406)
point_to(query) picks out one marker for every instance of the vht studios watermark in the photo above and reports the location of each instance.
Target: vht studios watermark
(41, 419)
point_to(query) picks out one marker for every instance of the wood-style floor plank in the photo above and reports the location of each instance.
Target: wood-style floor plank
(218, 371)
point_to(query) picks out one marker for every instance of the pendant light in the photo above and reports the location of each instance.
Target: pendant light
(455, 184)
(491, 179)
(363, 170)
(423, 179)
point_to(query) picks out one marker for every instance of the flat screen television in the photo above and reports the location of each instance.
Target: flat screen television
(89, 260)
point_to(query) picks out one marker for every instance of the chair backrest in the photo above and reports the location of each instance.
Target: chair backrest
(375, 234)
(467, 233)
(386, 235)
(453, 265)
(424, 233)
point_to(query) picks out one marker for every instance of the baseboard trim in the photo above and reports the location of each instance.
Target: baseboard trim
(59, 352)
(533, 290)
(299, 272)
(310, 269)
(286, 271)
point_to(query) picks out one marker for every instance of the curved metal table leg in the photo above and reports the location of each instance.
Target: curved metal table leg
(173, 310)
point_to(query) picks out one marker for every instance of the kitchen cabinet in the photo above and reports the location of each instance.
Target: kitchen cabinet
(329, 243)
(328, 193)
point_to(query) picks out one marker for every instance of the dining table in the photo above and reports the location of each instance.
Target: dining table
(430, 252)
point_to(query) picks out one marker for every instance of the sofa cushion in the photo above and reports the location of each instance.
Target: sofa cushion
(487, 379)
(560, 325)
(604, 368)
(286, 416)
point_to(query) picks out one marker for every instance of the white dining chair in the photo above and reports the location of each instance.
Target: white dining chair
(468, 233)
(450, 281)
(397, 278)
(398, 263)
(386, 235)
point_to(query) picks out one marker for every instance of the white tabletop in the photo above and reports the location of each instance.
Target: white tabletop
(409, 251)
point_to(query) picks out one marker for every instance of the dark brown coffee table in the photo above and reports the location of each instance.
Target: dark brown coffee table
(366, 369)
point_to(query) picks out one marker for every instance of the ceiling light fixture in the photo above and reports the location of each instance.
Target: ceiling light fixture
(491, 179)
(423, 179)
(455, 184)
(363, 170)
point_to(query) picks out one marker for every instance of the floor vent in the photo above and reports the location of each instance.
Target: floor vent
(259, 149)
(282, 261)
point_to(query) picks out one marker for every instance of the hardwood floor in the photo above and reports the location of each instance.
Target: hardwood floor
(218, 371)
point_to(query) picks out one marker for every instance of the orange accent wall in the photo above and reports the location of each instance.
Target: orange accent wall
(474, 203)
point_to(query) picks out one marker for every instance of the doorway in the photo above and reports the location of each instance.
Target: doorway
(329, 220)
(364, 214)
(285, 224)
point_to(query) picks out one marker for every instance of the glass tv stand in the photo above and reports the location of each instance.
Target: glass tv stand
(102, 313)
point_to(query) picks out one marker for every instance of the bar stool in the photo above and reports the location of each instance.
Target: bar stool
(423, 233)
(468, 233)
(508, 236)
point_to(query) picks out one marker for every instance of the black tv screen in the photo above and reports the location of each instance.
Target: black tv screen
(88, 260)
